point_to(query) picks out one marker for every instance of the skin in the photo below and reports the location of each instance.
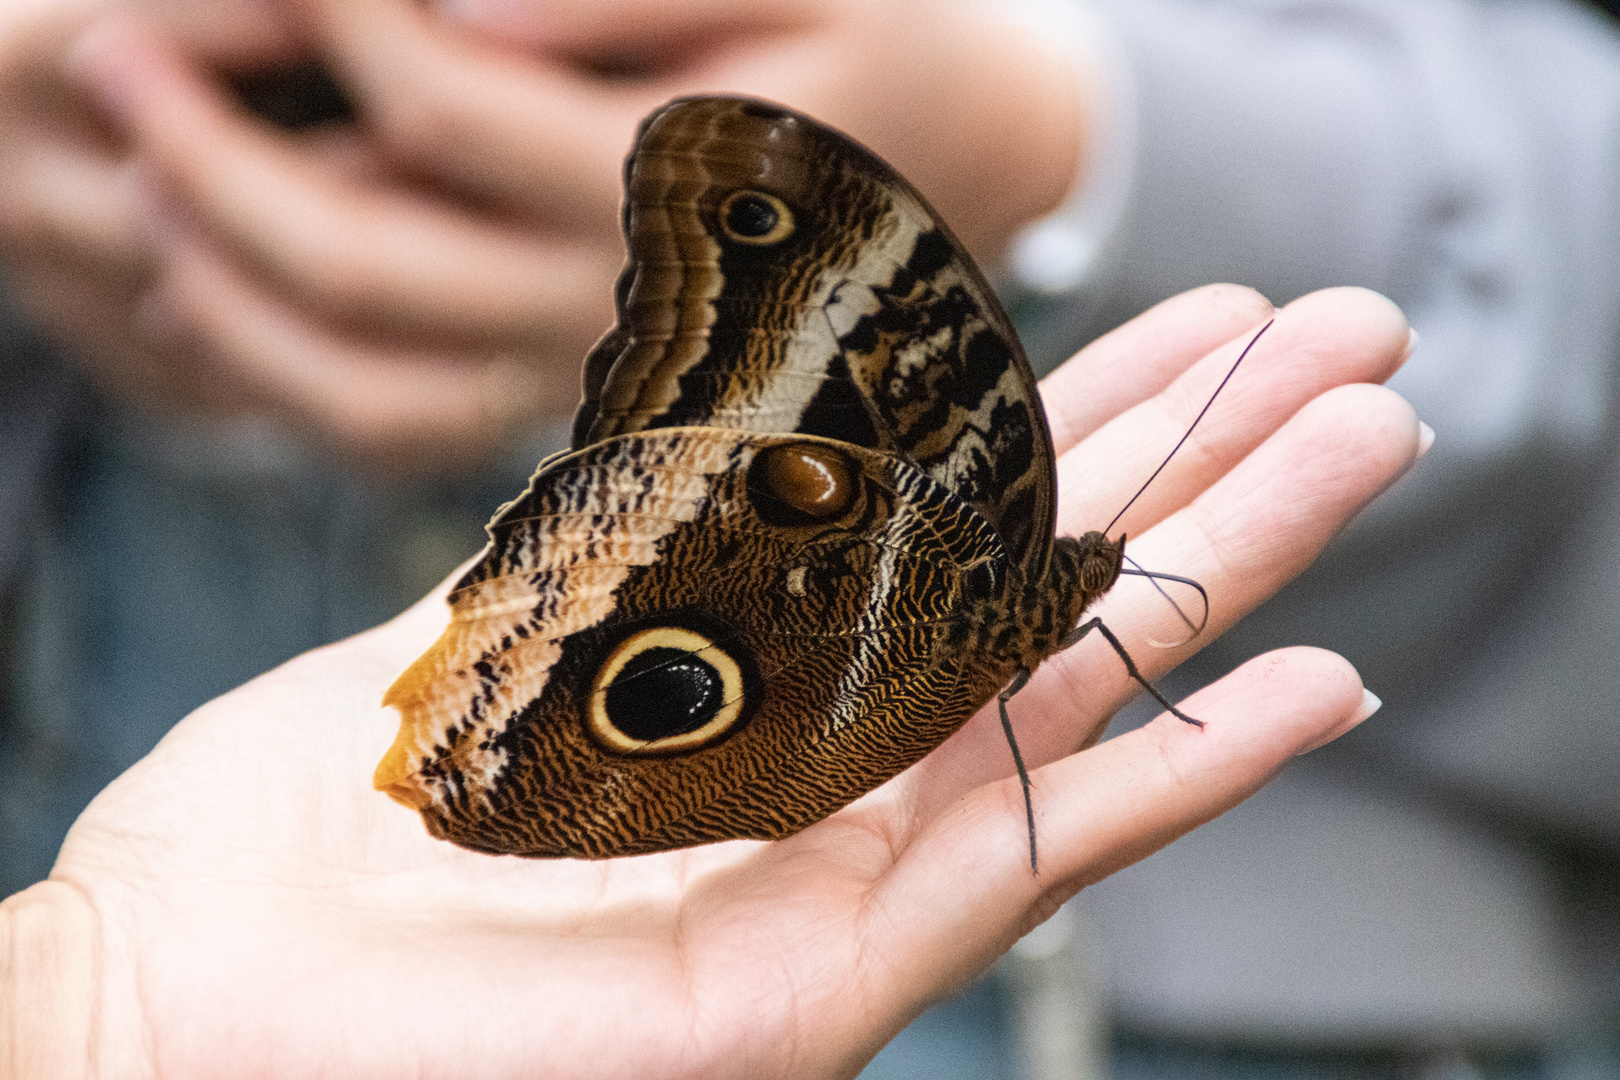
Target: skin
(411, 290)
(71, 236)
(242, 903)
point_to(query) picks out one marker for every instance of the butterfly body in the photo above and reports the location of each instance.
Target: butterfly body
(805, 532)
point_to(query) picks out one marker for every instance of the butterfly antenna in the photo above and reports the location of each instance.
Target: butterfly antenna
(1177, 448)
(1155, 576)
(1013, 687)
(1097, 624)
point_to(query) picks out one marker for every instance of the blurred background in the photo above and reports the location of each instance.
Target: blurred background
(296, 294)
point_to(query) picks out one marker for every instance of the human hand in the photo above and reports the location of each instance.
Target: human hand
(372, 375)
(412, 298)
(256, 909)
(70, 235)
(985, 117)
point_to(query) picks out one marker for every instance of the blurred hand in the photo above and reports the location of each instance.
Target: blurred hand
(242, 902)
(410, 290)
(383, 318)
(70, 232)
(984, 117)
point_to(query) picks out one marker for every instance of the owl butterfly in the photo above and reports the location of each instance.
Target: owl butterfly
(804, 533)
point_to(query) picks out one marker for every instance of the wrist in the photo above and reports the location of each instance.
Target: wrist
(49, 950)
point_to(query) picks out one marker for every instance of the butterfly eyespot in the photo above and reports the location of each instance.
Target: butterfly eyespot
(665, 689)
(800, 483)
(756, 218)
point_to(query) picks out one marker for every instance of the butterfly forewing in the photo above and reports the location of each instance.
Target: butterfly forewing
(866, 321)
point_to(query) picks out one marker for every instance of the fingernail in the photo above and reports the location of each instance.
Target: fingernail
(1370, 703)
(1425, 438)
(1413, 340)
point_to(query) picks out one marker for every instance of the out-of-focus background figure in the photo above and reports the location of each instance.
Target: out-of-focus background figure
(299, 294)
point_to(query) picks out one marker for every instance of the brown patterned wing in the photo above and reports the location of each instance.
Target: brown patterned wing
(783, 278)
(688, 635)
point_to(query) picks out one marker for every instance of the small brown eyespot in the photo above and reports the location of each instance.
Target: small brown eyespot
(663, 690)
(756, 218)
(801, 483)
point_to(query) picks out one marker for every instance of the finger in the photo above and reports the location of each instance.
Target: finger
(1338, 336)
(1253, 531)
(68, 201)
(357, 253)
(394, 409)
(1125, 367)
(1246, 537)
(234, 34)
(68, 227)
(514, 129)
(59, 195)
(1322, 340)
(626, 27)
(965, 884)
(34, 35)
(97, 330)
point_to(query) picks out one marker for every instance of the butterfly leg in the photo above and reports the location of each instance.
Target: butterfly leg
(1013, 687)
(1130, 665)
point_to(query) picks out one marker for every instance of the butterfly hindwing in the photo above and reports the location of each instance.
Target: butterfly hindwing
(693, 634)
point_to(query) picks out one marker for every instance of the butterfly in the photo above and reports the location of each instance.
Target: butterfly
(804, 532)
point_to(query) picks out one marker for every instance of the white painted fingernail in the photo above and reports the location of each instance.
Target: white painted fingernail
(1425, 438)
(1413, 340)
(1370, 703)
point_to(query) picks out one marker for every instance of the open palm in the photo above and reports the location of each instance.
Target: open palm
(260, 911)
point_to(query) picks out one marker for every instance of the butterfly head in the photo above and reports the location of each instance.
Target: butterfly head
(1100, 562)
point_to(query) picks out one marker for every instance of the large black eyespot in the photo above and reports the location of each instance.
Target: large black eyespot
(664, 689)
(755, 217)
(662, 692)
